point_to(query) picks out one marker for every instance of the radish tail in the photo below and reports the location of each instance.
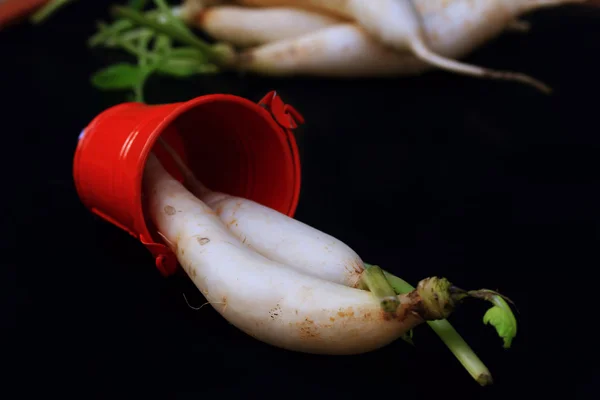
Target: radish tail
(190, 179)
(519, 26)
(421, 51)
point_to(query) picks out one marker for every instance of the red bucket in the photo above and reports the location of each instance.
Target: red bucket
(232, 145)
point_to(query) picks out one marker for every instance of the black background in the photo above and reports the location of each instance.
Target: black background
(490, 184)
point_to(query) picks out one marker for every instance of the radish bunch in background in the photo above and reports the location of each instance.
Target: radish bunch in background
(327, 38)
(357, 38)
(293, 286)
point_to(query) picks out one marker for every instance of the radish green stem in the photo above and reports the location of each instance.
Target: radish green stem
(400, 285)
(173, 31)
(451, 338)
(140, 53)
(462, 351)
(166, 10)
(106, 32)
(137, 4)
(143, 61)
(138, 93)
(47, 10)
(374, 279)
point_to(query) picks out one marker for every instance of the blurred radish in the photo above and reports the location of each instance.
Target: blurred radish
(249, 26)
(342, 50)
(346, 51)
(388, 37)
(455, 28)
(436, 31)
(239, 25)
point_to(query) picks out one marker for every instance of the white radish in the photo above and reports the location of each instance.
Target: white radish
(287, 240)
(277, 236)
(271, 301)
(455, 28)
(256, 217)
(245, 27)
(342, 51)
(435, 31)
(339, 8)
(450, 27)
(248, 26)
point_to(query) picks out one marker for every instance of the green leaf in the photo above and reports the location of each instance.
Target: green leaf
(163, 44)
(177, 32)
(109, 32)
(165, 9)
(501, 317)
(183, 62)
(139, 34)
(190, 53)
(47, 10)
(145, 55)
(137, 5)
(184, 68)
(119, 76)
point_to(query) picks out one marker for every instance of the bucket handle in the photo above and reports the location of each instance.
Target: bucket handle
(284, 114)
